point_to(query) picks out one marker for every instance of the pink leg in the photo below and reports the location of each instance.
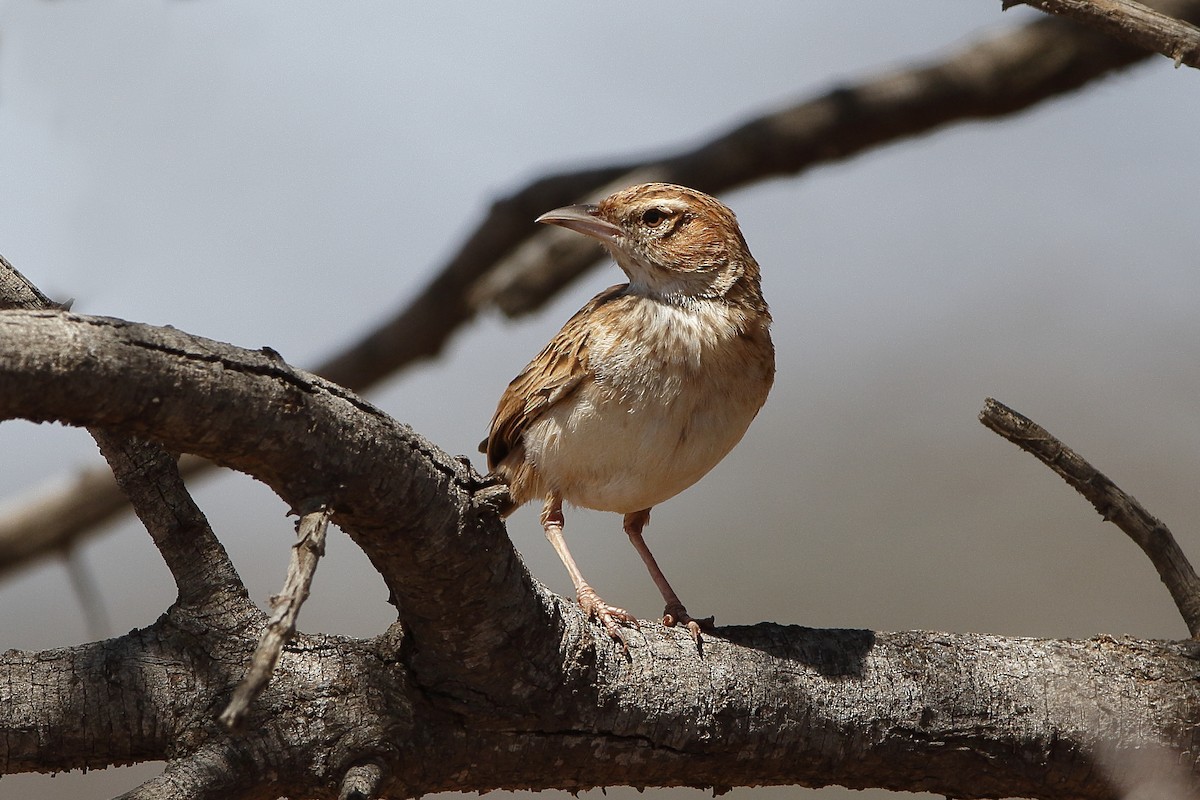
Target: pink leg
(611, 617)
(674, 613)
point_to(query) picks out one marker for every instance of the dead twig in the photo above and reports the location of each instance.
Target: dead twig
(1114, 505)
(1131, 22)
(306, 552)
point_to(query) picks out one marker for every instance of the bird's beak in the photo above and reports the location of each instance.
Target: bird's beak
(583, 219)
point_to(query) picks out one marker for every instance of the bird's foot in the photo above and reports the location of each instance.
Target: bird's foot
(611, 617)
(675, 614)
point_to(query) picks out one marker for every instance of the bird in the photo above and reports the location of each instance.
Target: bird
(647, 387)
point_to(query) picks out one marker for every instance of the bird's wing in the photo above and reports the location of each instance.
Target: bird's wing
(550, 377)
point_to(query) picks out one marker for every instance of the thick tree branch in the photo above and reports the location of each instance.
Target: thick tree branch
(506, 264)
(1114, 505)
(405, 502)
(1130, 22)
(209, 774)
(965, 715)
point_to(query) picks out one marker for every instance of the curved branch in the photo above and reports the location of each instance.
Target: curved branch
(1131, 22)
(504, 263)
(403, 501)
(1115, 506)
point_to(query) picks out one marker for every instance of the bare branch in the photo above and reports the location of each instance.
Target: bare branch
(306, 552)
(482, 648)
(1114, 505)
(460, 592)
(506, 264)
(1131, 22)
(57, 516)
(964, 715)
(150, 480)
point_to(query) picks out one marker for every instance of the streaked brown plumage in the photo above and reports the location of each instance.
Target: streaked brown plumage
(647, 386)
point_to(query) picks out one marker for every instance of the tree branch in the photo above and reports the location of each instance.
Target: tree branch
(506, 264)
(965, 715)
(208, 774)
(361, 782)
(456, 594)
(1110, 501)
(1130, 22)
(147, 475)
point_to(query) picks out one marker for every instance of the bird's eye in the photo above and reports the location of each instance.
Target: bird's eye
(653, 216)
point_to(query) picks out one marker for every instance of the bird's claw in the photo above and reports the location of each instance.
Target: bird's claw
(675, 614)
(611, 617)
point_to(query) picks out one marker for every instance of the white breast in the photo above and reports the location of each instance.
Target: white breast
(670, 398)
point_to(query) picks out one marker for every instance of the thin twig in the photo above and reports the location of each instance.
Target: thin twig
(1131, 22)
(306, 552)
(1114, 505)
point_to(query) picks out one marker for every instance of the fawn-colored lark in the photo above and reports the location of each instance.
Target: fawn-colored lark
(649, 385)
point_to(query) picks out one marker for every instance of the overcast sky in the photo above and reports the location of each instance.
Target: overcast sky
(288, 174)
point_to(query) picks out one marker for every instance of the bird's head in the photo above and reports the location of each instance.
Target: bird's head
(672, 241)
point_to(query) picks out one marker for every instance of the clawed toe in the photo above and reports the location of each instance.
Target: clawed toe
(611, 617)
(675, 614)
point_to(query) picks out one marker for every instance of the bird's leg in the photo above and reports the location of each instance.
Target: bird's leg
(611, 617)
(674, 614)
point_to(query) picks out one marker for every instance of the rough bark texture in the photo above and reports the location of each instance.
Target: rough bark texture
(488, 681)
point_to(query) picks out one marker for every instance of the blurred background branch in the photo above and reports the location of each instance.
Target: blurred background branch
(506, 264)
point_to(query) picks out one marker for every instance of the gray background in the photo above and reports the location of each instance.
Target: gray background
(288, 174)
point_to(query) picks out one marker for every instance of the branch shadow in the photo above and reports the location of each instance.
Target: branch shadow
(831, 652)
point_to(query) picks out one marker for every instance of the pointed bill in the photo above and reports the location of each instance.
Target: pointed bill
(582, 219)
